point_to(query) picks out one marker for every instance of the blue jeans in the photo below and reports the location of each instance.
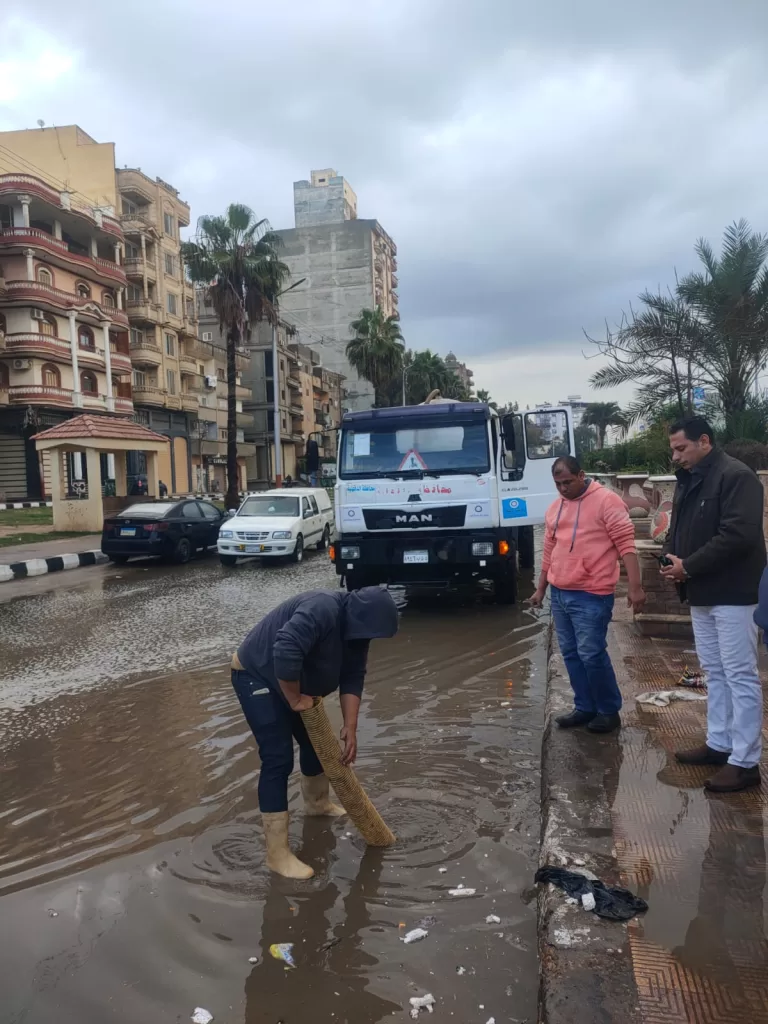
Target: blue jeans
(275, 727)
(581, 622)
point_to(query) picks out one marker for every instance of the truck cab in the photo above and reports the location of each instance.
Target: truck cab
(444, 493)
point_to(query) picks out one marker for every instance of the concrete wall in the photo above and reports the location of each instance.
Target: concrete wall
(67, 158)
(326, 199)
(336, 263)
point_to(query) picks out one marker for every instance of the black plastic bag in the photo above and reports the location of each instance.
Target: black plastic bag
(610, 902)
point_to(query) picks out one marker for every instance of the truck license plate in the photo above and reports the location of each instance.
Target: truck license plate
(415, 557)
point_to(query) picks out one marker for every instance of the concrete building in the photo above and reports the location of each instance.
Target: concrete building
(345, 264)
(462, 371)
(160, 303)
(578, 405)
(323, 393)
(63, 330)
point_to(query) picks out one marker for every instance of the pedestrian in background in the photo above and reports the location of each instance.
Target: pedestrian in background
(587, 531)
(716, 550)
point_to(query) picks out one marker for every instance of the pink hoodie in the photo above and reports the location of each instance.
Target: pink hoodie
(584, 540)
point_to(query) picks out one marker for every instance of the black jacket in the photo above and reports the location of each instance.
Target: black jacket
(717, 530)
(320, 638)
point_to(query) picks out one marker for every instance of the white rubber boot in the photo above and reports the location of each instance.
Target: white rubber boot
(316, 790)
(279, 856)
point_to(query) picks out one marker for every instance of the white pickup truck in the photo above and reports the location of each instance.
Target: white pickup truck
(444, 493)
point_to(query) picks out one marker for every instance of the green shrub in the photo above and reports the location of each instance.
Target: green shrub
(753, 453)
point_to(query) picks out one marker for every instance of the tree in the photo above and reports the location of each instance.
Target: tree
(602, 415)
(711, 332)
(376, 350)
(236, 258)
(585, 439)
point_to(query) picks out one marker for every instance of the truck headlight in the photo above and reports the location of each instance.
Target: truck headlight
(482, 548)
(281, 535)
(350, 552)
(226, 533)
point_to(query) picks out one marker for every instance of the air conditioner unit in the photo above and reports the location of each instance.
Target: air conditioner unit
(38, 314)
(210, 381)
(22, 364)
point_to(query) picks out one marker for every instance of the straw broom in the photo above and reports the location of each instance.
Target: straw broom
(344, 781)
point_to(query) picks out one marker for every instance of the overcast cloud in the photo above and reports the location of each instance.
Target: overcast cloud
(537, 164)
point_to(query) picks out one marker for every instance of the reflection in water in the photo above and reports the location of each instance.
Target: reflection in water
(128, 805)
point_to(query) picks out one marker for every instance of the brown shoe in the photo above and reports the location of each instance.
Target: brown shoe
(732, 779)
(702, 755)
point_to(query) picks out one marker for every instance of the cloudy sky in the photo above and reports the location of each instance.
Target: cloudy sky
(538, 164)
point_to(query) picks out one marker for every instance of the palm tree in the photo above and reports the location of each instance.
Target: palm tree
(483, 395)
(376, 350)
(235, 256)
(602, 415)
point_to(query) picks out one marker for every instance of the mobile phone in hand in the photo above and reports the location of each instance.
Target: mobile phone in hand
(664, 561)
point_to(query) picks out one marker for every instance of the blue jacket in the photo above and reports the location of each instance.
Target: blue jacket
(761, 612)
(320, 638)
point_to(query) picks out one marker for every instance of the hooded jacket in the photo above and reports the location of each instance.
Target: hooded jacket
(320, 638)
(584, 539)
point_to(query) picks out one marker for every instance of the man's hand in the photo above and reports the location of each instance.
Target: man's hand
(303, 703)
(536, 600)
(349, 742)
(636, 598)
(675, 573)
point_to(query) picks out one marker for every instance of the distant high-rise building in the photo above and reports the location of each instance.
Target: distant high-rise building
(461, 370)
(344, 265)
(578, 405)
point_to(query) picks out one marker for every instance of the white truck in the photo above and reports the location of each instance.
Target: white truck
(444, 493)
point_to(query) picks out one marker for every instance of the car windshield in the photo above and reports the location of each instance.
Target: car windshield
(147, 510)
(449, 448)
(270, 505)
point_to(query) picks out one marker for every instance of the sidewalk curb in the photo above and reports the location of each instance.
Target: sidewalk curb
(7, 506)
(585, 964)
(56, 563)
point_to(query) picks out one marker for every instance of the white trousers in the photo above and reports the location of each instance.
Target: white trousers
(726, 643)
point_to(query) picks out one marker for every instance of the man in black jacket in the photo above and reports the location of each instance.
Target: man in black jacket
(309, 646)
(717, 552)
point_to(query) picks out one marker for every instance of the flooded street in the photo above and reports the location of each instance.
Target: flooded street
(132, 877)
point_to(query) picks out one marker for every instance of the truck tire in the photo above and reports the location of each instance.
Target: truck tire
(505, 585)
(525, 546)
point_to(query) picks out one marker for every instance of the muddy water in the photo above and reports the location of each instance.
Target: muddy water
(132, 883)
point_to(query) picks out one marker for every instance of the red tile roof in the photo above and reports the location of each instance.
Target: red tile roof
(103, 427)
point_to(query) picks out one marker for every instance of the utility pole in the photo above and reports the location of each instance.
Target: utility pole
(276, 411)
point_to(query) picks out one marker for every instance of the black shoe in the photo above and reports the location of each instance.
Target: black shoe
(702, 755)
(605, 723)
(732, 779)
(575, 718)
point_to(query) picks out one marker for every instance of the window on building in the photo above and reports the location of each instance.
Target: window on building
(44, 276)
(3, 327)
(190, 308)
(220, 374)
(83, 291)
(137, 336)
(169, 224)
(170, 381)
(207, 335)
(132, 252)
(171, 303)
(134, 294)
(139, 379)
(129, 207)
(108, 299)
(5, 376)
(88, 383)
(48, 325)
(284, 426)
(85, 337)
(170, 264)
(51, 376)
(170, 345)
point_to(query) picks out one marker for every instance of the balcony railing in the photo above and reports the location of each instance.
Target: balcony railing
(25, 394)
(123, 405)
(146, 352)
(63, 200)
(137, 266)
(148, 394)
(55, 296)
(189, 401)
(4, 398)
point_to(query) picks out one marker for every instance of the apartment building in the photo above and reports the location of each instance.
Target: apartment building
(462, 371)
(344, 264)
(64, 345)
(160, 303)
(322, 394)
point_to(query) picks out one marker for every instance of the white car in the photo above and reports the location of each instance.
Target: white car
(278, 524)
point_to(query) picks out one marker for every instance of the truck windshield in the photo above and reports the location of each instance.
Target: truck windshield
(388, 451)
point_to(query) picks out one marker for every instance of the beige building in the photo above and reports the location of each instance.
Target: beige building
(462, 371)
(322, 395)
(63, 329)
(160, 303)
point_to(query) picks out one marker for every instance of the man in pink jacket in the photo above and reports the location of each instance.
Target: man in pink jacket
(588, 530)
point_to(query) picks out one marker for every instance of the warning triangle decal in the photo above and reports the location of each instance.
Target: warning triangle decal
(413, 461)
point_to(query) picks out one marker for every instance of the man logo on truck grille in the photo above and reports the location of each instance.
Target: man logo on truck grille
(423, 517)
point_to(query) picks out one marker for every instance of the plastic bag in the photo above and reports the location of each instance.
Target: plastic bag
(610, 902)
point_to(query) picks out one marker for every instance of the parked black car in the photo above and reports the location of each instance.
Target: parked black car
(173, 530)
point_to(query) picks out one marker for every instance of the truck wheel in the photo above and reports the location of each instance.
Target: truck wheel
(525, 546)
(322, 545)
(297, 555)
(505, 585)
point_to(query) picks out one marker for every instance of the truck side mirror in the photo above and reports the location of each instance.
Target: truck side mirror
(508, 432)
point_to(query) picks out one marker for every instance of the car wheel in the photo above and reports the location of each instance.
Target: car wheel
(525, 547)
(118, 559)
(228, 560)
(182, 552)
(322, 545)
(505, 585)
(298, 552)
